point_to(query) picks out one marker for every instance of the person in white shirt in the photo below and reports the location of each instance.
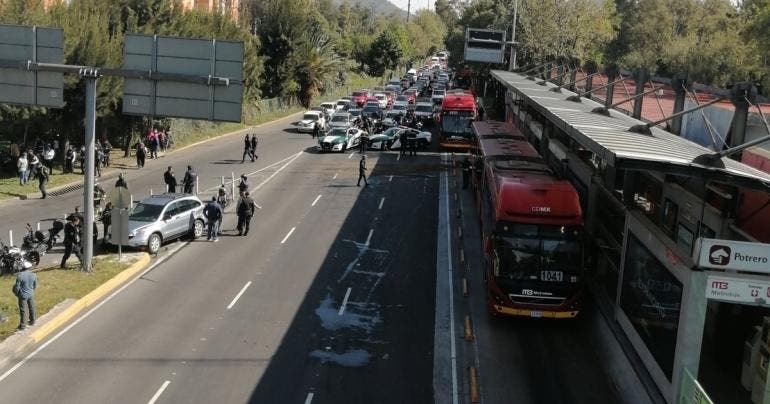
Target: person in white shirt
(22, 166)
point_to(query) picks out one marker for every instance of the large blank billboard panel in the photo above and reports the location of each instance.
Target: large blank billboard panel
(28, 87)
(484, 45)
(191, 57)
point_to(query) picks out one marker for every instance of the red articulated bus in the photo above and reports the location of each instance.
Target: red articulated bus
(458, 111)
(532, 228)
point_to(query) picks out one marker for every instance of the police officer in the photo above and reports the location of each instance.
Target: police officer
(364, 139)
(71, 239)
(246, 149)
(213, 214)
(467, 167)
(245, 211)
(243, 186)
(362, 172)
(254, 142)
(106, 221)
(316, 130)
(121, 182)
(42, 178)
(189, 180)
(170, 179)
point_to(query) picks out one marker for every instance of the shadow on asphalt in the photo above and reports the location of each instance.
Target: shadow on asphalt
(381, 348)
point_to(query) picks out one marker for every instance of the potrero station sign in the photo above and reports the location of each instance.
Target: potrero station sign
(733, 255)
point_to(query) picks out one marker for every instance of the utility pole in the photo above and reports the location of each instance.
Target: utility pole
(408, 10)
(513, 36)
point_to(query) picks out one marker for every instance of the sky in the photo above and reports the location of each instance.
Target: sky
(416, 4)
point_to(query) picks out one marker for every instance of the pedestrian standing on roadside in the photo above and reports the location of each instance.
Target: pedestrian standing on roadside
(22, 165)
(107, 148)
(190, 177)
(213, 214)
(106, 221)
(246, 149)
(69, 158)
(71, 240)
(99, 157)
(254, 142)
(24, 290)
(83, 159)
(245, 211)
(170, 179)
(42, 180)
(141, 154)
(402, 143)
(48, 155)
(154, 145)
(362, 172)
(121, 182)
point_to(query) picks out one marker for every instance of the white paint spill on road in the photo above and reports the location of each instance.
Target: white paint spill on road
(316, 200)
(159, 392)
(369, 237)
(288, 235)
(381, 202)
(238, 296)
(344, 302)
(335, 176)
(309, 398)
(352, 358)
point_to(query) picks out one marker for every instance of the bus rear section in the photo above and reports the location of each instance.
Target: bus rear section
(533, 228)
(458, 111)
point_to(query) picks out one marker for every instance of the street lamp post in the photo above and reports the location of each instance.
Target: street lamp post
(512, 62)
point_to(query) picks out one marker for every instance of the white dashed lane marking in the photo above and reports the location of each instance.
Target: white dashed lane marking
(288, 235)
(159, 392)
(238, 296)
(316, 200)
(344, 302)
(381, 202)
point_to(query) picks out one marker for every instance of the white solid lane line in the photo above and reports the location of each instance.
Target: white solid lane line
(159, 392)
(309, 398)
(316, 200)
(334, 178)
(238, 296)
(227, 182)
(344, 303)
(381, 202)
(288, 235)
(369, 237)
(89, 312)
(296, 156)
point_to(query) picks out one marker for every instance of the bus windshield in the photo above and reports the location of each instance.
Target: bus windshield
(457, 125)
(538, 252)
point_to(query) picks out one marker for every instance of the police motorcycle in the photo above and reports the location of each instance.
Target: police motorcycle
(15, 259)
(35, 243)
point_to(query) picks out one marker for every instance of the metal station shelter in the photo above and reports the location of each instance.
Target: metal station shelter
(652, 203)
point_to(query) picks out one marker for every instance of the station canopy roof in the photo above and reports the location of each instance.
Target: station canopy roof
(609, 137)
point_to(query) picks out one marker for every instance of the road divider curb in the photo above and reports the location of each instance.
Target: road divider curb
(473, 382)
(89, 300)
(468, 328)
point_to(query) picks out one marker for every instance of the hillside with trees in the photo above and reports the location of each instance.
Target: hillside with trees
(294, 49)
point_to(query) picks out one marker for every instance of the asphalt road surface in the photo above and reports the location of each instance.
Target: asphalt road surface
(331, 298)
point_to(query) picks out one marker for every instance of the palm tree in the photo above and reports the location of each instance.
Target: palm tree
(317, 65)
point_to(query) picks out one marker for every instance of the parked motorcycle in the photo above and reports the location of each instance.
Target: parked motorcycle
(14, 259)
(35, 243)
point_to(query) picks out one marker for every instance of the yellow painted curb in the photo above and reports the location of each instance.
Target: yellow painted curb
(89, 299)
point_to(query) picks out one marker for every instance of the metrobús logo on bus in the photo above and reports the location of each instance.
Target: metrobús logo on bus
(541, 209)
